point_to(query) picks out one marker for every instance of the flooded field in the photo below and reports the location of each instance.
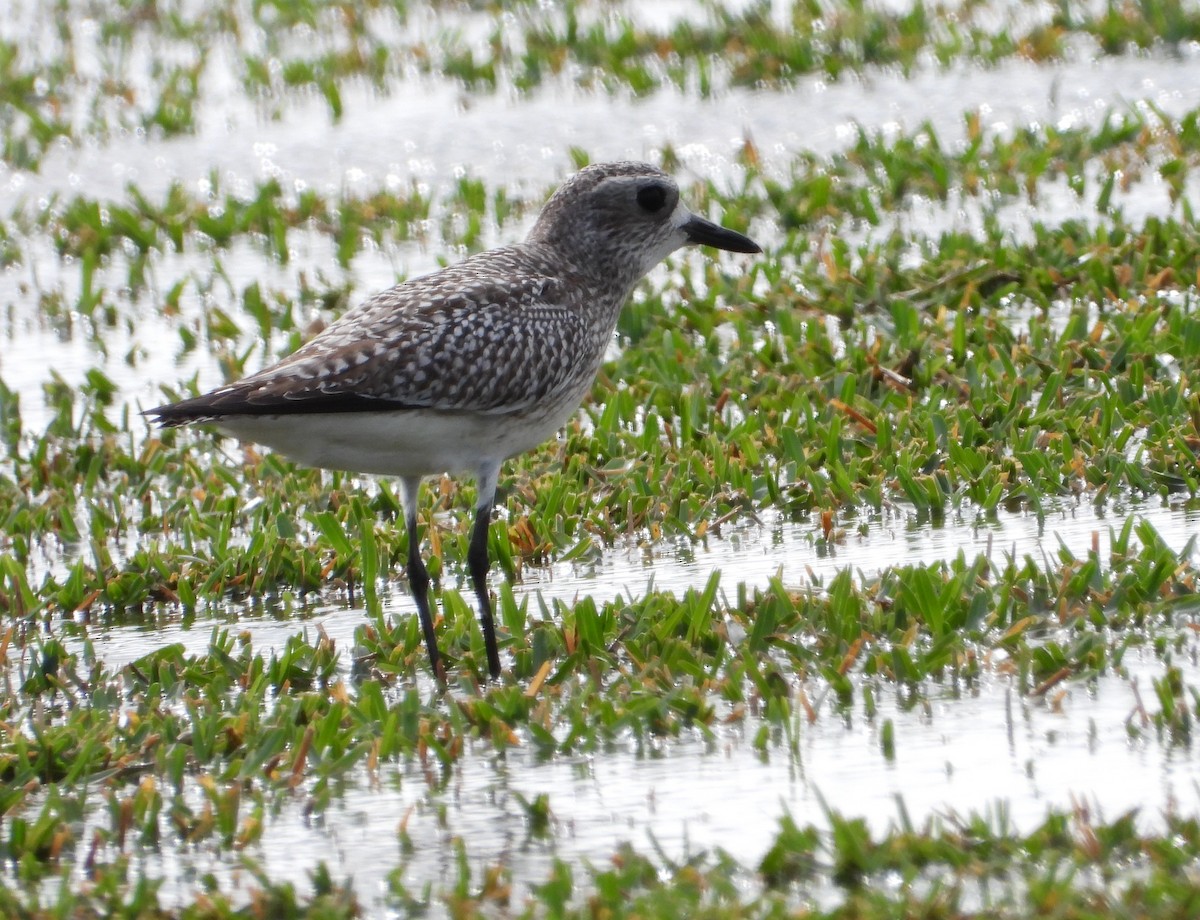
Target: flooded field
(888, 533)
(961, 751)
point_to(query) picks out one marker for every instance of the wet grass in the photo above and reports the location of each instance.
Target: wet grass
(52, 90)
(954, 406)
(211, 745)
(868, 364)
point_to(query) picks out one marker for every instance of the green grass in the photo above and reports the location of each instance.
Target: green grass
(211, 744)
(868, 366)
(283, 53)
(955, 405)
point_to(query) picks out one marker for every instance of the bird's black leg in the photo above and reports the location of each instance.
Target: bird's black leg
(477, 561)
(418, 575)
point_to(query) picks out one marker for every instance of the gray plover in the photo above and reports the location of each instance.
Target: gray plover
(456, 371)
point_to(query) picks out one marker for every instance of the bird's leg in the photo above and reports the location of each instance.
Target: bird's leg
(418, 575)
(477, 560)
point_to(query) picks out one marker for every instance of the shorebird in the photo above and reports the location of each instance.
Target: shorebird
(456, 371)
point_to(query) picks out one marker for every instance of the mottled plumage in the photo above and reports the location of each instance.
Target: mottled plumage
(498, 332)
(458, 370)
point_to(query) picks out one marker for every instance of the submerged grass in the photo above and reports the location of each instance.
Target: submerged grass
(52, 89)
(210, 745)
(869, 364)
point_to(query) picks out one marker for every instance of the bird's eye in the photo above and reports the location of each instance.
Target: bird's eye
(651, 197)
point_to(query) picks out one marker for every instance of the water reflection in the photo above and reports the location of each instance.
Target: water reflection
(750, 555)
(990, 752)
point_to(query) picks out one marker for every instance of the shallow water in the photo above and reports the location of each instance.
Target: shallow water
(796, 553)
(426, 129)
(990, 752)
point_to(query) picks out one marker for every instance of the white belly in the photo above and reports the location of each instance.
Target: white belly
(410, 442)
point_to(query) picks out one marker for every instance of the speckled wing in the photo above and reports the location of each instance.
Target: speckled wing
(486, 335)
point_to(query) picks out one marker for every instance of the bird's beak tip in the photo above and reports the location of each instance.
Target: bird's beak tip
(704, 232)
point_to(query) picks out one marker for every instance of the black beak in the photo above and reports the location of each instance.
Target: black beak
(706, 233)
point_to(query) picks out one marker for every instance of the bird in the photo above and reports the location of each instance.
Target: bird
(457, 371)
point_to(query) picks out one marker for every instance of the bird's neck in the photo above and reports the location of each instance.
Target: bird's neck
(615, 277)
